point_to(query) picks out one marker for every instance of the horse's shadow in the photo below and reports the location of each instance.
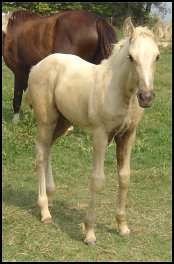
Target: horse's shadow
(67, 219)
(61, 212)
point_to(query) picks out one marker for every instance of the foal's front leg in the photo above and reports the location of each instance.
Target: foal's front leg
(100, 141)
(124, 147)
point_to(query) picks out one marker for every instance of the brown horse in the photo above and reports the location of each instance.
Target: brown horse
(30, 38)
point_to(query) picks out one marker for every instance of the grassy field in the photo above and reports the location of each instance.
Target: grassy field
(26, 239)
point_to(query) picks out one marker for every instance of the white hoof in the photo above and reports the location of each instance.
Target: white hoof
(16, 118)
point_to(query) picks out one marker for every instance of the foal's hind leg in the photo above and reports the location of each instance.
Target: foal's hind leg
(43, 166)
(50, 186)
(124, 147)
(59, 130)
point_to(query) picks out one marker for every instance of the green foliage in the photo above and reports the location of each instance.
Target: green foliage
(139, 11)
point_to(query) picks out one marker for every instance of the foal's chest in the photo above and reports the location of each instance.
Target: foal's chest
(120, 128)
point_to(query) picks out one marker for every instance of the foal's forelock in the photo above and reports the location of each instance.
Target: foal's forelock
(141, 31)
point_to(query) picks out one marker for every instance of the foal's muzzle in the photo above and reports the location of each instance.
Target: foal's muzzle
(145, 98)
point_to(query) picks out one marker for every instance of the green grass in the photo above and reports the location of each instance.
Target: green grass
(26, 239)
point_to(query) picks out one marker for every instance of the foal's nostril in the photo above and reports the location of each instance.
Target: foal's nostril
(148, 96)
(141, 97)
(145, 98)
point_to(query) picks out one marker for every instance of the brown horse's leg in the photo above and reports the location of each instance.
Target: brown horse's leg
(100, 141)
(61, 126)
(20, 84)
(17, 102)
(124, 147)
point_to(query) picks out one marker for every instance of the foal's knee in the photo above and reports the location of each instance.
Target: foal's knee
(97, 182)
(42, 155)
(50, 190)
(124, 176)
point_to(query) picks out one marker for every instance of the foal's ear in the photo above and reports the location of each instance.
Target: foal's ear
(130, 29)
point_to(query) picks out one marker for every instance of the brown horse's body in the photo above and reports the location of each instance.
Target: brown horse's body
(30, 38)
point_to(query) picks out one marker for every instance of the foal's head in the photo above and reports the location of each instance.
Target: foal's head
(143, 54)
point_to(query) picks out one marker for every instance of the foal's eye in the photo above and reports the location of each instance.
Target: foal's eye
(130, 57)
(157, 57)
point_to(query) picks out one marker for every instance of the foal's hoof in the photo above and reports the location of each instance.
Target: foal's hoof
(125, 234)
(47, 220)
(124, 230)
(90, 242)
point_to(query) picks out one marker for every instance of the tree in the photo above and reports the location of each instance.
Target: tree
(119, 11)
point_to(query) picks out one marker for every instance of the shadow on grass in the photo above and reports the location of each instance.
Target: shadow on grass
(69, 220)
(65, 218)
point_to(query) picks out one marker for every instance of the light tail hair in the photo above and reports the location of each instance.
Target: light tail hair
(26, 102)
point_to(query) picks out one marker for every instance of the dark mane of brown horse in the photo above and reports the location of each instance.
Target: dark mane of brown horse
(31, 37)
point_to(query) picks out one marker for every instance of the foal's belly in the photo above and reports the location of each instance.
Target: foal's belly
(75, 117)
(73, 105)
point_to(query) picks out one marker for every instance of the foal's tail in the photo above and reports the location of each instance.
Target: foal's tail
(106, 38)
(26, 102)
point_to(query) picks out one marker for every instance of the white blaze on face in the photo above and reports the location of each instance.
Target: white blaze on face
(145, 52)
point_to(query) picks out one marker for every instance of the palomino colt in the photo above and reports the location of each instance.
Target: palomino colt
(29, 38)
(109, 98)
